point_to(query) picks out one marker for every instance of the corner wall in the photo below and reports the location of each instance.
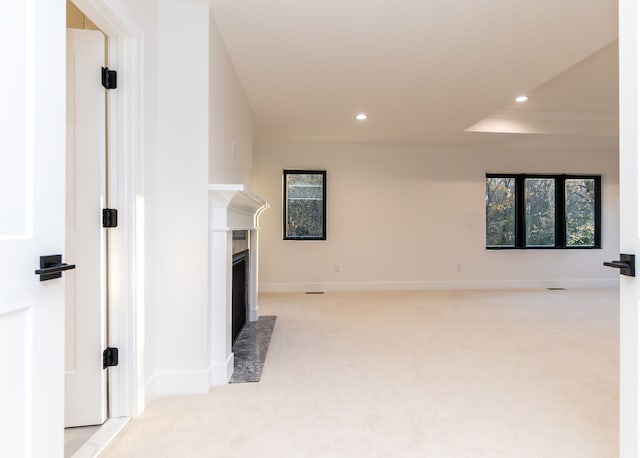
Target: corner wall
(179, 201)
(413, 217)
(231, 142)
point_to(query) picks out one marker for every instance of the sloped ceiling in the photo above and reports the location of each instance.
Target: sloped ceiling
(437, 71)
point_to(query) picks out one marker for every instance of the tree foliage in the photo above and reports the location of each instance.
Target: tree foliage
(580, 212)
(501, 212)
(304, 205)
(540, 217)
(540, 211)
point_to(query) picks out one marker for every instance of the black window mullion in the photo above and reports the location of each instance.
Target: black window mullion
(520, 212)
(561, 225)
(598, 218)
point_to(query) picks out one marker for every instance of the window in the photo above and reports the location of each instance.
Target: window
(542, 211)
(304, 205)
(501, 212)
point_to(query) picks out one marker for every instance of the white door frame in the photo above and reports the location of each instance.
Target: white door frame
(126, 193)
(629, 19)
(127, 396)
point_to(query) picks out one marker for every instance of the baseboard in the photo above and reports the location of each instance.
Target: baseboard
(439, 285)
(186, 382)
(254, 313)
(176, 383)
(219, 374)
(101, 438)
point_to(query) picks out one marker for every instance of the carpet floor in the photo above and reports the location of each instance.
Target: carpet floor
(527, 373)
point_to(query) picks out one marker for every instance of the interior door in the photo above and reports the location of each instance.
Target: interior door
(31, 224)
(629, 229)
(85, 379)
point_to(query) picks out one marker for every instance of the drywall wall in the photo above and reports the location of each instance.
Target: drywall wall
(231, 142)
(181, 265)
(194, 108)
(413, 217)
(175, 171)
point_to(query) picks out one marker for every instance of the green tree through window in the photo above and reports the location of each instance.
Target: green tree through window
(501, 212)
(540, 215)
(542, 211)
(304, 205)
(580, 205)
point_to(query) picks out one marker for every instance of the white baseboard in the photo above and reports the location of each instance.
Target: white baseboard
(439, 285)
(219, 374)
(101, 438)
(188, 382)
(177, 383)
(254, 313)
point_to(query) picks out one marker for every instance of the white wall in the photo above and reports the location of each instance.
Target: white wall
(405, 217)
(231, 143)
(181, 236)
(194, 108)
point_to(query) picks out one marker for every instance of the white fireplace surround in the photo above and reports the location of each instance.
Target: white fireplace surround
(232, 207)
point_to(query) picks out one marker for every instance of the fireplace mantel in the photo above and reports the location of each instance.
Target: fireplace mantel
(232, 207)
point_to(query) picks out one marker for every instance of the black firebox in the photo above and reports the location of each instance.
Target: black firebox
(239, 293)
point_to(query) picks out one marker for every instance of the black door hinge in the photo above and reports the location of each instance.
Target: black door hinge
(109, 78)
(109, 357)
(109, 217)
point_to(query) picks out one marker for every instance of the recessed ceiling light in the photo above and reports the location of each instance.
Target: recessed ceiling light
(361, 116)
(522, 98)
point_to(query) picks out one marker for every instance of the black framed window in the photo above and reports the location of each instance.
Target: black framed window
(305, 205)
(542, 211)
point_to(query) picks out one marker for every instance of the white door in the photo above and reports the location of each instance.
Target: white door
(32, 161)
(85, 379)
(629, 229)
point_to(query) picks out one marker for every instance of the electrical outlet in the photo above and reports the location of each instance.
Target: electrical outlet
(337, 268)
(458, 267)
(233, 148)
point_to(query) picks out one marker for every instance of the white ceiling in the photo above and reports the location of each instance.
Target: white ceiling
(426, 71)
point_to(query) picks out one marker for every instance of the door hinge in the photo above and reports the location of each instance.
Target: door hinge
(109, 78)
(109, 217)
(109, 357)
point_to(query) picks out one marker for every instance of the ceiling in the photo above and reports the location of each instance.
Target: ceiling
(430, 71)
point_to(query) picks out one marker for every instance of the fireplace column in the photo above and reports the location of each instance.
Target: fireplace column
(231, 207)
(254, 312)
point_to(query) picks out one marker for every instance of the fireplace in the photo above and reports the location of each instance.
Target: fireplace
(233, 270)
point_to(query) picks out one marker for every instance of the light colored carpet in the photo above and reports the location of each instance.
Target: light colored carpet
(410, 374)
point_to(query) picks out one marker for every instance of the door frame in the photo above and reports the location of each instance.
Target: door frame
(629, 79)
(127, 289)
(126, 396)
